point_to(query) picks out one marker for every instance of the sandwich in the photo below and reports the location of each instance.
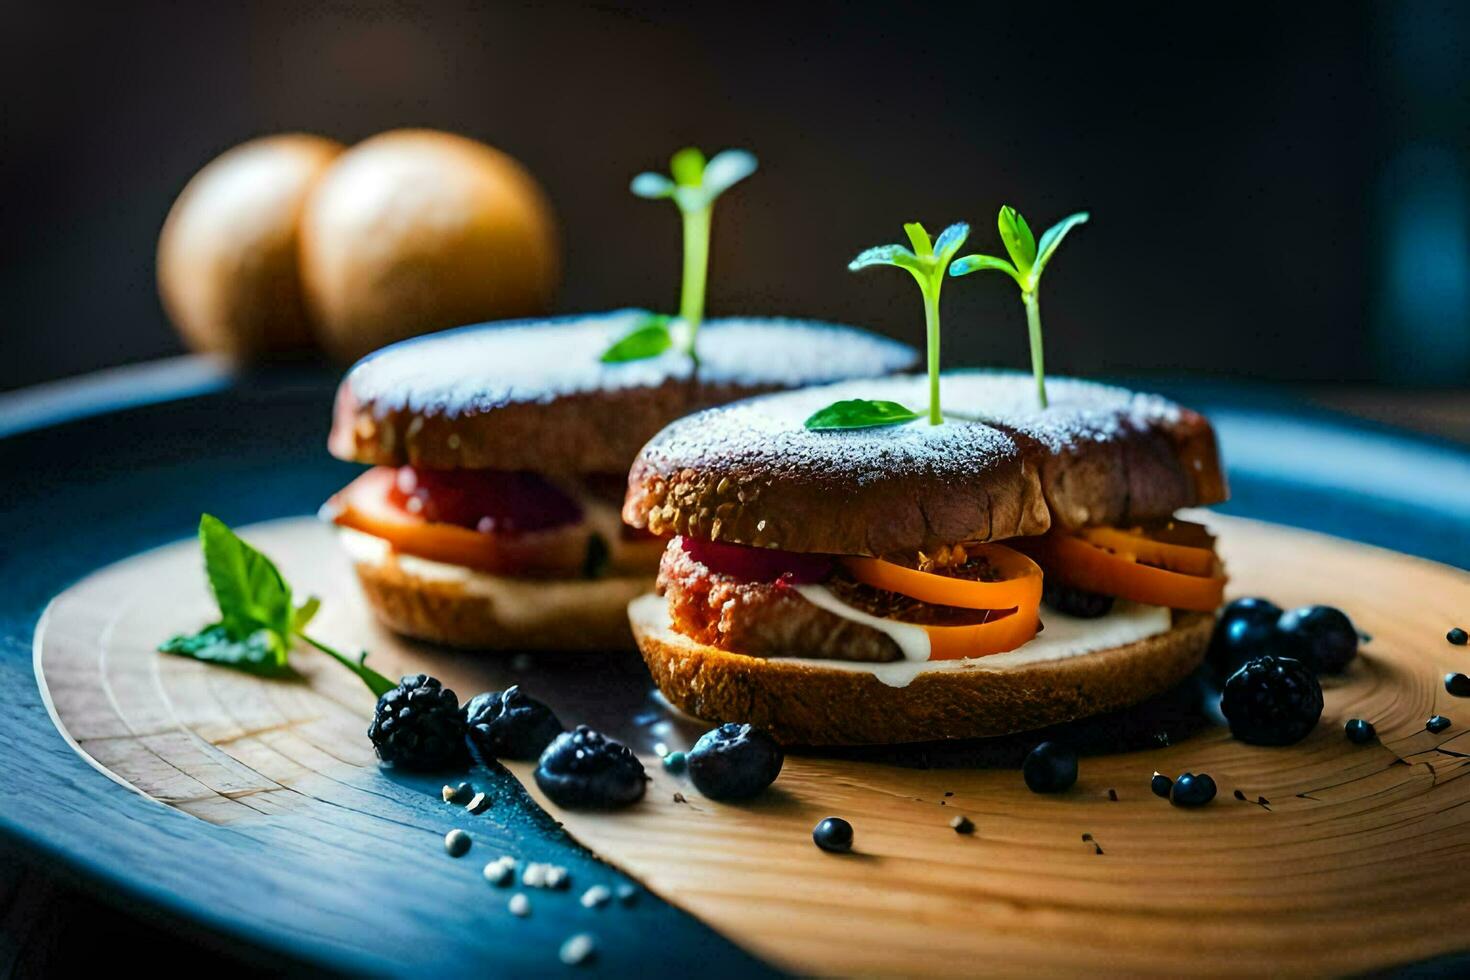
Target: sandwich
(1002, 567)
(499, 453)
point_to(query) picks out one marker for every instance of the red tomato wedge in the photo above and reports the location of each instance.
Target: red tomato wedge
(364, 505)
(1174, 566)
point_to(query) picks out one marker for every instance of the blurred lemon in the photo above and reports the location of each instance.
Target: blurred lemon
(416, 230)
(228, 252)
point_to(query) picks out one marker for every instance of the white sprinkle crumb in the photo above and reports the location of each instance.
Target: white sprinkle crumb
(478, 803)
(533, 875)
(456, 794)
(500, 872)
(519, 905)
(596, 897)
(457, 843)
(578, 949)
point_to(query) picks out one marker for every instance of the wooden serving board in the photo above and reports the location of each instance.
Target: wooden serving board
(1339, 857)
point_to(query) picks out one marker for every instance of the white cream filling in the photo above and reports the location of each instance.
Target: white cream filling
(1064, 637)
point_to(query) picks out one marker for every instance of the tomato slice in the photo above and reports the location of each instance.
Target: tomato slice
(1158, 568)
(1015, 581)
(365, 505)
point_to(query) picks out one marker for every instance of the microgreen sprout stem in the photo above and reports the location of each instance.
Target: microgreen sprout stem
(1028, 258)
(693, 185)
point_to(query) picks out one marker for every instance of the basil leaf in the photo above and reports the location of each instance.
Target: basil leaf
(687, 166)
(262, 652)
(975, 263)
(642, 342)
(1016, 234)
(950, 240)
(1053, 236)
(859, 413)
(884, 255)
(651, 185)
(249, 589)
(726, 169)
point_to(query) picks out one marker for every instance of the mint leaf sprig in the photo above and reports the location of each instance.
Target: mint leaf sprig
(927, 263)
(258, 619)
(1028, 259)
(694, 187)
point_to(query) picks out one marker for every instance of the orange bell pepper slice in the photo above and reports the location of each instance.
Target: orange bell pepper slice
(1019, 586)
(1008, 631)
(1134, 565)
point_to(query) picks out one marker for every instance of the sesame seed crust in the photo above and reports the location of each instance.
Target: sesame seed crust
(999, 467)
(534, 394)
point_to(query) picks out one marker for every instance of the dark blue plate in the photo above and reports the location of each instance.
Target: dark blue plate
(93, 475)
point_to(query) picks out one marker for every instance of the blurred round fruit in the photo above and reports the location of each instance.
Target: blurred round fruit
(414, 231)
(227, 255)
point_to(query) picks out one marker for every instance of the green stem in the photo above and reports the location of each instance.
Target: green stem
(375, 681)
(931, 325)
(696, 269)
(1033, 322)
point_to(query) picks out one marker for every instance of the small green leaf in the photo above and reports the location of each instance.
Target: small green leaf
(726, 169)
(652, 186)
(247, 586)
(950, 240)
(974, 263)
(1053, 236)
(1016, 234)
(884, 255)
(261, 652)
(650, 339)
(859, 413)
(923, 248)
(305, 613)
(687, 166)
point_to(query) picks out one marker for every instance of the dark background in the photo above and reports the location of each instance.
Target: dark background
(1278, 191)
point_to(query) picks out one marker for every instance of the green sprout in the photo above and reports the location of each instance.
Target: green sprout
(1028, 258)
(694, 187)
(927, 264)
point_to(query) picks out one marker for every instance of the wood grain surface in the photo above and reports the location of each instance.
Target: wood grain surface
(1339, 858)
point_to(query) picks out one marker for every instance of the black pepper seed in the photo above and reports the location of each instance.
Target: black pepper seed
(1360, 732)
(1437, 724)
(1113, 795)
(1458, 637)
(1240, 796)
(963, 825)
(457, 843)
(1161, 785)
(833, 834)
(1457, 684)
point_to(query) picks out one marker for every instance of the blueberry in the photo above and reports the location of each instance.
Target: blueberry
(1321, 637)
(584, 769)
(833, 834)
(1075, 602)
(1161, 785)
(508, 725)
(1192, 790)
(734, 762)
(1457, 684)
(1437, 724)
(1360, 732)
(1458, 637)
(1272, 701)
(1050, 768)
(1243, 631)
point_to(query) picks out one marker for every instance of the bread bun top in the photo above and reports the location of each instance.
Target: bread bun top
(999, 466)
(534, 394)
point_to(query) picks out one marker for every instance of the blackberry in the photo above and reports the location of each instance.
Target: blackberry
(586, 770)
(509, 725)
(833, 834)
(1242, 632)
(734, 762)
(417, 725)
(1272, 701)
(1050, 768)
(1075, 602)
(1321, 637)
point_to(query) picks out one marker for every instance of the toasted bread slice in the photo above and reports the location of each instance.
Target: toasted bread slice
(803, 702)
